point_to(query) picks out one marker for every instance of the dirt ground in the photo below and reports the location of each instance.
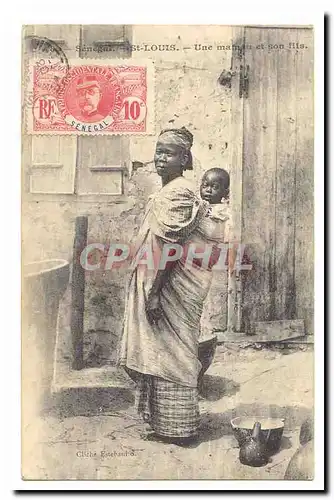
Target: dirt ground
(94, 433)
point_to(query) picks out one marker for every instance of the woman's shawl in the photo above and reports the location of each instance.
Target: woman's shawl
(167, 349)
(176, 211)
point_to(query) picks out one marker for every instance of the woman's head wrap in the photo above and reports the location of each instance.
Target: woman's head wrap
(180, 137)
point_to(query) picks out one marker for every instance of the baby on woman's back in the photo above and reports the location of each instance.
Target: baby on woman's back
(214, 189)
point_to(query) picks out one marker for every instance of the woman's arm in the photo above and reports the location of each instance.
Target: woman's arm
(153, 306)
(174, 215)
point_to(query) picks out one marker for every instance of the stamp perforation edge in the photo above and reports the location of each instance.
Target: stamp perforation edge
(150, 98)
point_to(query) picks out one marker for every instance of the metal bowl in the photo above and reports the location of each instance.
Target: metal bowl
(271, 431)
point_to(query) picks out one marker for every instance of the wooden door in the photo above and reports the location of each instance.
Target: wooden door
(49, 162)
(272, 176)
(102, 160)
(93, 166)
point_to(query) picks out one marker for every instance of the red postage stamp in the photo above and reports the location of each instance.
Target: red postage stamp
(91, 98)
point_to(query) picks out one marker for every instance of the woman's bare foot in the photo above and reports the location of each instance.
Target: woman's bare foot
(186, 442)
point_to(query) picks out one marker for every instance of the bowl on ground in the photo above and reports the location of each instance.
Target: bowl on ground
(271, 431)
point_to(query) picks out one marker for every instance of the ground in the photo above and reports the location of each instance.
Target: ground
(94, 433)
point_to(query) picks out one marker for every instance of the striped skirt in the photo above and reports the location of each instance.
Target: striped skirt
(170, 409)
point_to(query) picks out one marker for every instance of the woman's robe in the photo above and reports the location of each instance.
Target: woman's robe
(169, 348)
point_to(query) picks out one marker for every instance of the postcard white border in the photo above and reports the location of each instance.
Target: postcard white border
(132, 12)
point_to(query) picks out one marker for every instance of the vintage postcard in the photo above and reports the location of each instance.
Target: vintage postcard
(167, 247)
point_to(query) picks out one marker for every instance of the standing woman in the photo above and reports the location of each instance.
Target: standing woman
(159, 345)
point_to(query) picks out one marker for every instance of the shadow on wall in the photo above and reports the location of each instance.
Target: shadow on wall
(100, 349)
(216, 425)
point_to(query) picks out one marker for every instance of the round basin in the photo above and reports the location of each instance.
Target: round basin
(33, 269)
(43, 285)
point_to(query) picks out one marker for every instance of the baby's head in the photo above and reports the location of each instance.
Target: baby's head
(215, 185)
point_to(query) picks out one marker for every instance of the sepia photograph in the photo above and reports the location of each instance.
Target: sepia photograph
(167, 230)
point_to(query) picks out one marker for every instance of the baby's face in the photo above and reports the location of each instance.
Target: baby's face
(212, 189)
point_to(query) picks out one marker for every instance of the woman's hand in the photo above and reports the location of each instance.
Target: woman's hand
(153, 308)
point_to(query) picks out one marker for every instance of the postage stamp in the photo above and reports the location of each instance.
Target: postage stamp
(90, 98)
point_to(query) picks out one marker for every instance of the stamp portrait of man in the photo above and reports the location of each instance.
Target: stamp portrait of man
(88, 92)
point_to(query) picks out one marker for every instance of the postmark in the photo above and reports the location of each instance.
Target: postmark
(99, 97)
(46, 53)
(45, 48)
